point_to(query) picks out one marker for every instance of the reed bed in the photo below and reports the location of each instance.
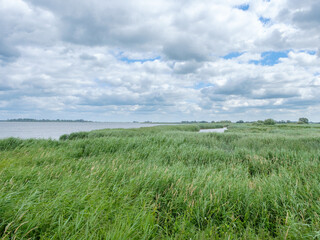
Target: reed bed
(164, 182)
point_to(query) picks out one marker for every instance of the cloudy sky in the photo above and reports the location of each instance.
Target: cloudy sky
(160, 60)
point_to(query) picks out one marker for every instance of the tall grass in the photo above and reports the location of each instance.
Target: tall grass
(165, 182)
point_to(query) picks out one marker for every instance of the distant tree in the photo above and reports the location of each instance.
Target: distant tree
(224, 121)
(269, 121)
(303, 120)
(240, 121)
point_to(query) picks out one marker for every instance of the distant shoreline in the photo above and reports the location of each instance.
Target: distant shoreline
(41, 120)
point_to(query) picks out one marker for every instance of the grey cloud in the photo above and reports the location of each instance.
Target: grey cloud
(116, 23)
(276, 93)
(186, 67)
(304, 17)
(5, 88)
(137, 26)
(159, 99)
(295, 25)
(301, 103)
(239, 86)
(108, 99)
(185, 48)
(247, 88)
(21, 26)
(28, 90)
(8, 52)
(309, 18)
(209, 92)
(275, 40)
(27, 104)
(118, 99)
(88, 57)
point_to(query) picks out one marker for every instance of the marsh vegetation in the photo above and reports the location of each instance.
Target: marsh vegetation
(163, 182)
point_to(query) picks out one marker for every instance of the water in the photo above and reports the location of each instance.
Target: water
(54, 130)
(217, 130)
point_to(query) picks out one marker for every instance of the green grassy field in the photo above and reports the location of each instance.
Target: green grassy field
(164, 182)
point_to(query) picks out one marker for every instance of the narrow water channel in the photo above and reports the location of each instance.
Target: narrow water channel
(217, 130)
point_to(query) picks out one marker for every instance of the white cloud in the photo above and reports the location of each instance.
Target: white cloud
(157, 60)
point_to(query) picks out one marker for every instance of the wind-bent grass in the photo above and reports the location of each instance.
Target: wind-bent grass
(164, 182)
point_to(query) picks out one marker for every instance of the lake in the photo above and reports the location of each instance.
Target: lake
(54, 130)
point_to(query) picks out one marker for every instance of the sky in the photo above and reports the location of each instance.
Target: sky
(160, 60)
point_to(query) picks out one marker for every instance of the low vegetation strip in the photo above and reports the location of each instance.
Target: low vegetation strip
(164, 182)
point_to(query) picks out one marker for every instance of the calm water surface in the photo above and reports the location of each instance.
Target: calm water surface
(54, 130)
(218, 130)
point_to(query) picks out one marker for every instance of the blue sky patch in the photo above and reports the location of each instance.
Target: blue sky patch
(264, 20)
(243, 7)
(310, 52)
(270, 58)
(130, 60)
(201, 85)
(232, 55)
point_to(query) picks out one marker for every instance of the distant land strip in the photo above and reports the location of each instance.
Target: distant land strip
(41, 120)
